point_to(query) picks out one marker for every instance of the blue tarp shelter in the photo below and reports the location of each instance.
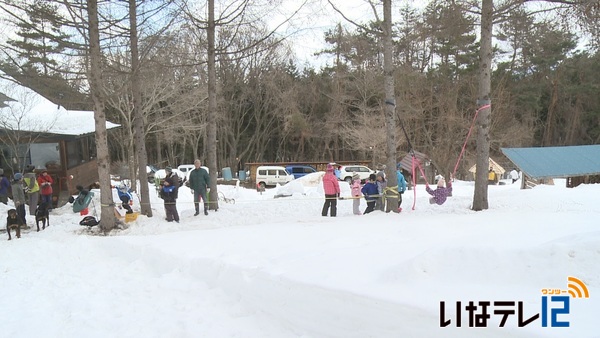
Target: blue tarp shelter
(556, 162)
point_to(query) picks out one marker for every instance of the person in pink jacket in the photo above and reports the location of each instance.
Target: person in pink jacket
(356, 194)
(332, 192)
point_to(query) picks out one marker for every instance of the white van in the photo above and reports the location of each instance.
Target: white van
(186, 169)
(272, 175)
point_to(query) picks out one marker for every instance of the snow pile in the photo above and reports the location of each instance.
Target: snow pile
(273, 267)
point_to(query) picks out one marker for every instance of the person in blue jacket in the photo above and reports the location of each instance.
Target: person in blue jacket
(125, 196)
(371, 193)
(401, 185)
(169, 193)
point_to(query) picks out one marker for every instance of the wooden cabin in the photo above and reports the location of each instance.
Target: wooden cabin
(38, 132)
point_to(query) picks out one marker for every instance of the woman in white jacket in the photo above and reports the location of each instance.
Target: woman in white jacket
(356, 194)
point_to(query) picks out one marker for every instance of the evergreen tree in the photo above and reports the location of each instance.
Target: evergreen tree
(40, 38)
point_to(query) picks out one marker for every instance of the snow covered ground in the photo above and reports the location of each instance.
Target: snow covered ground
(274, 267)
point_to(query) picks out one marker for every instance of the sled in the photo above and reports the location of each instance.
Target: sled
(82, 201)
(122, 215)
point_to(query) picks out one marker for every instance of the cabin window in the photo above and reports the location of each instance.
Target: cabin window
(41, 155)
(45, 155)
(80, 151)
(75, 153)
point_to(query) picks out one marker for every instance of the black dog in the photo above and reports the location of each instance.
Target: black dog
(13, 221)
(42, 216)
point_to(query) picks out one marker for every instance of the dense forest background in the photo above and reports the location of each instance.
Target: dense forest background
(545, 82)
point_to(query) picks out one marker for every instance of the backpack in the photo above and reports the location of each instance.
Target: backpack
(89, 221)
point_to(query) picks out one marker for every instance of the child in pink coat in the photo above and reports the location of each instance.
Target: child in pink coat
(356, 194)
(332, 192)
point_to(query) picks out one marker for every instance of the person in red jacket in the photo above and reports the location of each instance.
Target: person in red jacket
(45, 181)
(332, 192)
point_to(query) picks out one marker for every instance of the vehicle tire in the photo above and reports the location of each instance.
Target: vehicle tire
(262, 185)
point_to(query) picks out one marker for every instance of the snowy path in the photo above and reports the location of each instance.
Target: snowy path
(106, 288)
(275, 268)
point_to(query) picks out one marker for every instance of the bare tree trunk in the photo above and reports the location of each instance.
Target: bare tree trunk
(549, 139)
(138, 126)
(212, 108)
(159, 158)
(390, 111)
(107, 221)
(480, 196)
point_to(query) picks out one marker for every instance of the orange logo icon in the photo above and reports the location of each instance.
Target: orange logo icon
(577, 288)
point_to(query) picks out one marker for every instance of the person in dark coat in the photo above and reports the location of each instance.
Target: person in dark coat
(371, 193)
(169, 192)
(18, 194)
(441, 193)
(4, 186)
(199, 183)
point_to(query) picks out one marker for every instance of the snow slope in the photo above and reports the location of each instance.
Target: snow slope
(274, 267)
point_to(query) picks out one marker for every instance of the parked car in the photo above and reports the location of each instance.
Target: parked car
(300, 170)
(346, 172)
(269, 175)
(151, 171)
(186, 170)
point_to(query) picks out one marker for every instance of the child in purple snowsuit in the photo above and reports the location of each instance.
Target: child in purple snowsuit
(441, 193)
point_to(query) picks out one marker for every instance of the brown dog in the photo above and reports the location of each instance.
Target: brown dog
(42, 216)
(13, 221)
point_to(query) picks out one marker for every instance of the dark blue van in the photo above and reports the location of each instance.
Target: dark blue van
(300, 170)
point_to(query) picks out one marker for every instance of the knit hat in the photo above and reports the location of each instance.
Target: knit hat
(373, 177)
(355, 176)
(168, 169)
(329, 167)
(18, 176)
(381, 173)
(399, 165)
(441, 182)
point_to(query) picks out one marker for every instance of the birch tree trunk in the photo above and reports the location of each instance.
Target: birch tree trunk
(480, 196)
(390, 111)
(107, 220)
(211, 127)
(138, 126)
